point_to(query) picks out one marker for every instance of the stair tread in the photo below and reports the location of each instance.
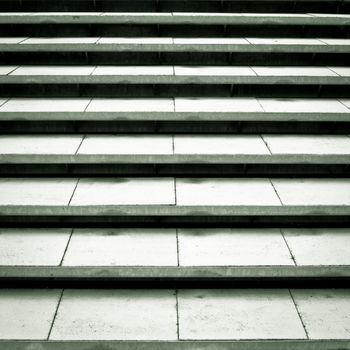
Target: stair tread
(174, 196)
(221, 250)
(146, 315)
(168, 44)
(174, 148)
(175, 18)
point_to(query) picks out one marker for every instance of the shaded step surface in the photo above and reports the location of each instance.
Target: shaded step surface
(174, 196)
(173, 75)
(175, 109)
(175, 18)
(172, 149)
(174, 253)
(175, 315)
(118, 44)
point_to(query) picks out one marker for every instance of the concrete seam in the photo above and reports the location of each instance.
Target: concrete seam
(173, 143)
(296, 308)
(8, 99)
(322, 41)
(343, 103)
(175, 190)
(276, 191)
(266, 144)
(177, 314)
(23, 40)
(173, 104)
(93, 71)
(13, 70)
(87, 106)
(261, 105)
(177, 247)
(54, 317)
(256, 74)
(334, 71)
(290, 250)
(81, 142)
(76, 185)
(65, 251)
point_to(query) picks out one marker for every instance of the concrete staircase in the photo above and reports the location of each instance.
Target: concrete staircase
(174, 174)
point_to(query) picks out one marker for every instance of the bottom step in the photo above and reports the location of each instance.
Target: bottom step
(175, 316)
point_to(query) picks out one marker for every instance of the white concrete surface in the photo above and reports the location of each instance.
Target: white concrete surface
(36, 191)
(27, 313)
(125, 191)
(325, 313)
(133, 70)
(223, 191)
(294, 71)
(116, 315)
(53, 70)
(29, 247)
(122, 247)
(323, 246)
(4, 70)
(213, 70)
(232, 247)
(238, 314)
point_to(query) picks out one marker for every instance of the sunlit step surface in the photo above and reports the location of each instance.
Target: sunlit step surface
(173, 75)
(174, 253)
(178, 108)
(174, 196)
(168, 44)
(171, 149)
(175, 315)
(174, 18)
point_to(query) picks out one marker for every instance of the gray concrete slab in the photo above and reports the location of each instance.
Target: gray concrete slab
(223, 191)
(217, 105)
(313, 191)
(36, 191)
(45, 105)
(116, 315)
(232, 247)
(308, 144)
(124, 191)
(28, 247)
(39, 144)
(27, 313)
(325, 312)
(127, 144)
(121, 247)
(238, 314)
(323, 246)
(131, 105)
(53, 70)
(133, 70)
(219, 144)
(288, 105)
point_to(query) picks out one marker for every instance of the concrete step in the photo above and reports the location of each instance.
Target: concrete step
(174, 75)
(298, 317)
(75, 254)
(195, 109)
(167, 196)
(175, 149)
(168, 44)
(178, 18)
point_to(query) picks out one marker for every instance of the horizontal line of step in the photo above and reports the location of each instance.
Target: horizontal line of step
(175, 149)
(118, 44)
(169, 196)
(173, 75)
(174, 18)
(195, 109)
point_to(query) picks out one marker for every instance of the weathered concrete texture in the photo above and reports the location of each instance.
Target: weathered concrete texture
(125, 191)
(27, 313)
(324, 246)
(221, 191)
(127, 144)
(116, 314)
(36, 191)
(325, 313)
(313, 191)
(308, 144)
(122, 247)
(219, 144)
(232, 247)
(238, 314)
(28, 247)
(39, 144)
